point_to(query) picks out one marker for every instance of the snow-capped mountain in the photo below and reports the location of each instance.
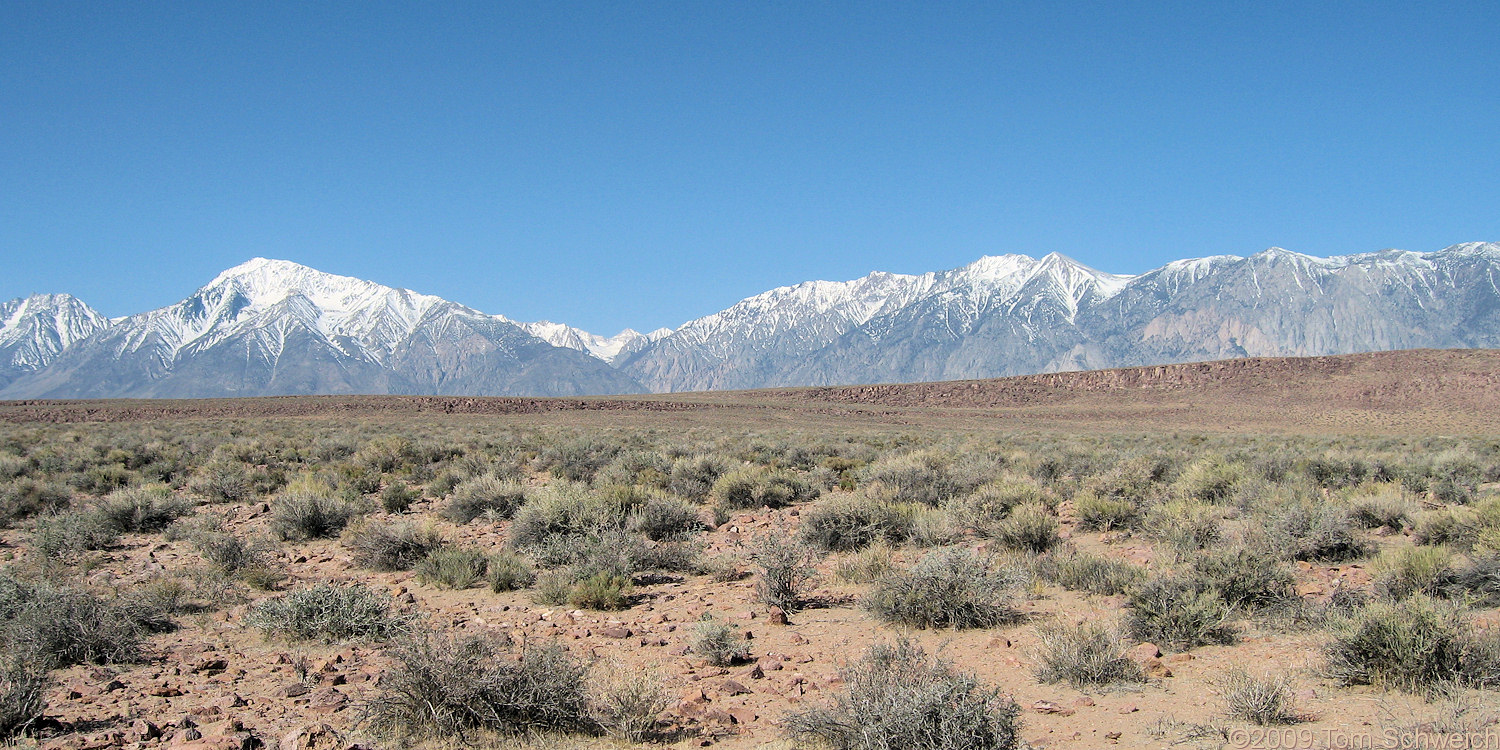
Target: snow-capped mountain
(33, 330)
(609, 349)
(275, 327)
(774, 338)
(270, 327)
(1013, 314)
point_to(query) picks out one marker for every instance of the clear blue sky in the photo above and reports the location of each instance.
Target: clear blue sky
(634, 164)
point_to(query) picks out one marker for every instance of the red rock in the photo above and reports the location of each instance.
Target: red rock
(778, 616)
(141, 729)
(312, 737)
(327, 701)
(1048, 707)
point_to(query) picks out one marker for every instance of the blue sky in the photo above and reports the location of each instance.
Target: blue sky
(641, 164)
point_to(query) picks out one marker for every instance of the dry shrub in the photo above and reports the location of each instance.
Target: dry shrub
(787, 570)
(1178, 612)
(442, 686)
(330, 614)
(896, 696)
(952, 588)
(1083, 655)
(1263, 701)
(390, 546)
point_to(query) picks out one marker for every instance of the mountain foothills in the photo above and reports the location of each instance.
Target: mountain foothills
(270, 327)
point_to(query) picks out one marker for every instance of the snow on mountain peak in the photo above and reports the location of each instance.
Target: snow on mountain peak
(34, 329)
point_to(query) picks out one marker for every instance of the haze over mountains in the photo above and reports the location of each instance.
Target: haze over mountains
(270, 327)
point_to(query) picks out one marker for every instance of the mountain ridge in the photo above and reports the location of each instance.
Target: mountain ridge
(277, 327)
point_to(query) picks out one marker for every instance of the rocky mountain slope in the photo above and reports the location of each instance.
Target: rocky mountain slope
(35, 329)
(1013, 315)
(270, 327)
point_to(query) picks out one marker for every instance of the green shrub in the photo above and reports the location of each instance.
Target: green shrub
(66, 535)
(1031, 527)
(898, 697)
(627, 702)
(1257, 700)
(309, 510)
(1137, 480)
(1400, 573)
(390, 546)
(1245, 576)
(23, 696)
(1480, 579)
(452, 567)
(992, 502)
(1084, 655)
(1412, 645)
(1187, 525)
(1321, 532)
(1103, 513)
(720, 643)
(867, 565)
(227, 552)
(951, 588)
(602, 590)
(484, 495)
(560, 513)
(97, 480)
(397, 497)
(508, 571)
(63, 626)
(145, 508)
(1383, 510)
(221, 481)
(330, 614)
(1210, 479)
(921, 477)
(694, 477)
(24, 498)
(787, 570)
(1080, 571)
(441, 687)
(665, 518)
(12, 466)
(1179, 613)
(752, 487)
(645, 468)
(577, 460)
(850, 522)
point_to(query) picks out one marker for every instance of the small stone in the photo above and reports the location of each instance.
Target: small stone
(327, 701)
(778, 616)
(144, 730)
(1048, 707)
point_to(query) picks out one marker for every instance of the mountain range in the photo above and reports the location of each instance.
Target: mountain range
(273, 327)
